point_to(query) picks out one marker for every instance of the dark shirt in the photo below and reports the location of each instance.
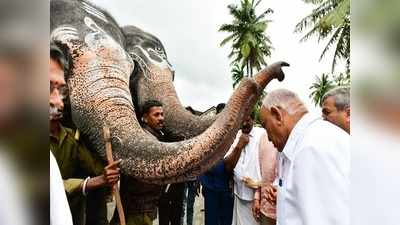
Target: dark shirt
(140, 197)
(216, 179)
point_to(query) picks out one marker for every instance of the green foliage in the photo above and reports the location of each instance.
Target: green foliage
(325, 83)
(330, 19)
(250, 45)
(343, 79)
(237, 74)
(257, 107)
(321, 85)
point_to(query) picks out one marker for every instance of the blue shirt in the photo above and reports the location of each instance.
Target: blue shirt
(216, 179)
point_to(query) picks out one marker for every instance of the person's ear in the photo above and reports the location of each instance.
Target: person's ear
(277, 114)
(144, 119)
(348, 114)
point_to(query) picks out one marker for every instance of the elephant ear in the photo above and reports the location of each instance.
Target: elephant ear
(153, 80)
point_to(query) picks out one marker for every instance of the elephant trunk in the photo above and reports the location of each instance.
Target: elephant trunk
(100, 96)
(179, 122)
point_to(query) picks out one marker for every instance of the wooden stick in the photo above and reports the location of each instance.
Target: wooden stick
(120, 209)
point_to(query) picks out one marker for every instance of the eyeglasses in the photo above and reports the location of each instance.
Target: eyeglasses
(62, 89)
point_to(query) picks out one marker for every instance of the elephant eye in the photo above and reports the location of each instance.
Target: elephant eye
(160, 51)
(153, 50)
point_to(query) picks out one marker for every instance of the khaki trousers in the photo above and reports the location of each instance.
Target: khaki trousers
(266, 220)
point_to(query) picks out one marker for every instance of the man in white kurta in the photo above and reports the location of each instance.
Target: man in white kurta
(60, 213)
(314, 163)
(246, 166)
(13, 209)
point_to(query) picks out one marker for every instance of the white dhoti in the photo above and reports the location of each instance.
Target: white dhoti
(242, 214)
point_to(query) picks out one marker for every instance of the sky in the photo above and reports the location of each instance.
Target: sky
(189, 33)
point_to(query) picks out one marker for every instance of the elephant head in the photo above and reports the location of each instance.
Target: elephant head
(104, 79)
(153, 79)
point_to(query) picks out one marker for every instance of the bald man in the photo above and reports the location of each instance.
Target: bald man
(313, 166)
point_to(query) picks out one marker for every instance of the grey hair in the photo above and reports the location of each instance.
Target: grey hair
(284, 99)
(341, 96)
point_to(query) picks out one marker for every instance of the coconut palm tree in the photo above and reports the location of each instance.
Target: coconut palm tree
(237, 74)
(331, 19)
(343, 79)
(250, 45)
(257, 107)
(321, 85)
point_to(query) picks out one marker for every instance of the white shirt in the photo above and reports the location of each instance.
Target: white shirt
(248, 164)
(13, 209)
(60, 213)
(313, 175)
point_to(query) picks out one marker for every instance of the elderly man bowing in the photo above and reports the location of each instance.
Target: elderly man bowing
(314, 163)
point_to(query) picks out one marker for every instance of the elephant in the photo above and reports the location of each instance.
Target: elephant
(115, 70)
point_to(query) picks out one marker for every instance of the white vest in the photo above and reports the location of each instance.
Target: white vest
(248, 164)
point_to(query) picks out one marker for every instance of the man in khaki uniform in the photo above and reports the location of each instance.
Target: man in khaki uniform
(85, 180)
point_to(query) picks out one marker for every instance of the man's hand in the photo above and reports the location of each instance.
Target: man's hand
(111, 173)
(256, 209)
(271, 194)
(109, 177)
(251, 183)
(243, 141)
(231, 159)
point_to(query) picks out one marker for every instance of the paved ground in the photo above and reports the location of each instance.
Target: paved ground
(198, 217)
(198, 214)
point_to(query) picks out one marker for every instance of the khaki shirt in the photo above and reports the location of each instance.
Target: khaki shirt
(76, 163)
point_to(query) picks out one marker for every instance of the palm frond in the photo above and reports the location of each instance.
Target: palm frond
(339, 51)
(337, 16)
(227, 39)
(268, 11)
(233, 10)
(330, 19)
(313, 1)
(331, 42)
(313, 18)
(313, 32)
(257, 3)
(229, 28)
